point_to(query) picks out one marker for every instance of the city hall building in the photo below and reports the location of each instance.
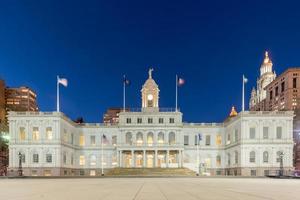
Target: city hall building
(250, 143)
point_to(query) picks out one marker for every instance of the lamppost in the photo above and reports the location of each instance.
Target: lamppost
(281, 163)
(20, 171)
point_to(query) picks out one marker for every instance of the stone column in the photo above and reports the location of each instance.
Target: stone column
(167, 159)
(155, 156)
(144, 158)
(121, 160)
(132, 158)
(180, 158)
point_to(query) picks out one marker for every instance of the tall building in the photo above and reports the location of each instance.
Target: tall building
(112, 115)
(2, 101)
(267, 75)
(20, 99)
(246, 144)
(284, 94)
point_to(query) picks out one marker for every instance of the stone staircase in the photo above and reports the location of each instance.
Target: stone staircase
(150, 172)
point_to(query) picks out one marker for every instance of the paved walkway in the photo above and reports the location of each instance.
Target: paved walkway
(150, 188)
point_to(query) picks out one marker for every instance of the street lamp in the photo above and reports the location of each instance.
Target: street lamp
(281, 163)
(20, 171)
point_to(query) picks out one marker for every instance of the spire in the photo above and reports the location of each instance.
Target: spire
(233, 112)
(267, 59)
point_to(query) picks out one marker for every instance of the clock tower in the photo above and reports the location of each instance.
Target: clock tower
(150, 94)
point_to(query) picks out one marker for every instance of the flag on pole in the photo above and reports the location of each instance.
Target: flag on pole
(126, 81)
(63, 81)
(104, 139)
(199, 137)
(245, 79)
(180, 81)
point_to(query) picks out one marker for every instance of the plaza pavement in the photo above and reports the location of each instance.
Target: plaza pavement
(150, 188)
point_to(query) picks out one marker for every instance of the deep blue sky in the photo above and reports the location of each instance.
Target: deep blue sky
(93, 43)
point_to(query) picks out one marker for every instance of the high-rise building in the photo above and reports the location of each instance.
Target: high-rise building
(2, 101)
(112, 115)
(280, 93)
(20, 99)
(267, 75)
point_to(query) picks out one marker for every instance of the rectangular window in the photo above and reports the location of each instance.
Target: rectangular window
(22, 134)
(128, 120)
(278, 132)
(81, 140)
(219, 140)
(65, 158)
(196, 140)
(35, 158)
(161, 120)
(282, 86)
(81, 172)
(171, 120)
(228, 139)
(65, 136)
(186, 140)
(207, 140)
(72, 159)
(35, 134)
(150, 120)
(81, 160)
(72, 138)
(252, 133)
(47, 173)
(114, 140)
(92, 172)
(276, 91)
(139, 120)
(49, 158)
(294, 82)
(266, 172)
(265, 132)
(34, 173)
(49, 133)
(93, 140)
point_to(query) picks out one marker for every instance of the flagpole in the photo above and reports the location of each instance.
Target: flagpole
(124, 90)
(243, 95)
(176, 101)
(198, 155)
(57, 94)
(102, 171)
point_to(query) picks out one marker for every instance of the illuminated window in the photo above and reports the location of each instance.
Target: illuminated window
(49, 133)
(218, 161)
(219, 140)
(92, 172)
(150, 139)
(160, 138)
(81, 160)
(22, 134)
(139, 139)
(228, 138)
(35, 134)
(81, 140)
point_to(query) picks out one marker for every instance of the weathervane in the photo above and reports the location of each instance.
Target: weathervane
(150, 72)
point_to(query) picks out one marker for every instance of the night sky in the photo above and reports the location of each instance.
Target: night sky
(93, 43)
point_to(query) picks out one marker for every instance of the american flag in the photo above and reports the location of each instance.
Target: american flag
(126, 81)
(180, 81)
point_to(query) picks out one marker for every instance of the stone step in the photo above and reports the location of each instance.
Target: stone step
(150, 172)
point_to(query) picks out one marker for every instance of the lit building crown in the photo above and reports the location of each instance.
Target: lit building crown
(233, 112)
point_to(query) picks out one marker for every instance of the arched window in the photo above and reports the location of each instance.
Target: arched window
(93, 160)
(218, 160)
(171, 138)
(139, 138)
(128, 139)
(150, 139)
(160, 138)
(265, 157)
(252, 157)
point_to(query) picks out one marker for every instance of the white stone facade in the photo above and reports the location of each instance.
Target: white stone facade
(247, 144)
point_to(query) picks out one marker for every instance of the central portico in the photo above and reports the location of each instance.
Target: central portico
(150, 133)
